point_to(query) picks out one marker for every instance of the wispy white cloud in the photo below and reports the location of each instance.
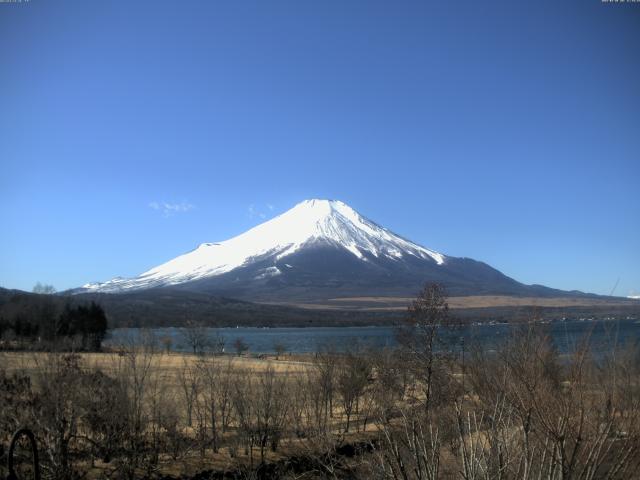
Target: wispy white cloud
(169, 209)
(252, 210)
(259, 212)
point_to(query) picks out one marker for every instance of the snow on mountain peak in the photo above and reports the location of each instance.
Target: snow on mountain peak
(310, 222)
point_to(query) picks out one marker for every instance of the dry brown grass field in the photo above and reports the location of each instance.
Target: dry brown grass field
(466, 302)
(169, 364)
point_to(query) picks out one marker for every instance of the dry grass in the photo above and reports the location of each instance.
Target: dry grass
(167, 363)
(472, 301)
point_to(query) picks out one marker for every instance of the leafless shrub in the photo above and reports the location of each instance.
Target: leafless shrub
(566, 415)
(103, 423)
(58, 412)
(134, 372)
(410, 448)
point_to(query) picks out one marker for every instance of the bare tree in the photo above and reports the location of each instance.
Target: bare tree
(167, 343)
(196, 336)
(240, 346)
(241, 395)
(228, 375)
(215, 390)
(271, 404)
(392, 379)
(280, 348)
(352, 378)
(261, 405)
(419, 337)
(217, 343)
(189, 381)
(324, 363)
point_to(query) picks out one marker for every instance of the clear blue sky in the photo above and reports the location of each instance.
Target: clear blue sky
(509, 132)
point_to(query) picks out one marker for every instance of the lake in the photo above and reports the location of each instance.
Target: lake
(565, 334)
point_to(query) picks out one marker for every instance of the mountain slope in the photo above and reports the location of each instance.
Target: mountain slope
(319, 249)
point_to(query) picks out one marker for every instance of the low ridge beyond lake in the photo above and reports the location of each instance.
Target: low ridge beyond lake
(604, 335)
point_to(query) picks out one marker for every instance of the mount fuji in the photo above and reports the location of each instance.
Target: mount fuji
(319, 250)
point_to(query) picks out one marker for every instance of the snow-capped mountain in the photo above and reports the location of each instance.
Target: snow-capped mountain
(312, 222)
(318, 249)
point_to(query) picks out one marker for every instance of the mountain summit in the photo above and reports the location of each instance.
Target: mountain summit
(318, 249)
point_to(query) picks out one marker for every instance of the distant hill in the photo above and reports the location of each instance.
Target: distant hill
(173, 307)
(167, 307)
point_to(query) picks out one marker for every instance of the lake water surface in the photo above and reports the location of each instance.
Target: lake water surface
(604, 334)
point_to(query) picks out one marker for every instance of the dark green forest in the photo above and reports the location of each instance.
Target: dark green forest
(51, 322)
